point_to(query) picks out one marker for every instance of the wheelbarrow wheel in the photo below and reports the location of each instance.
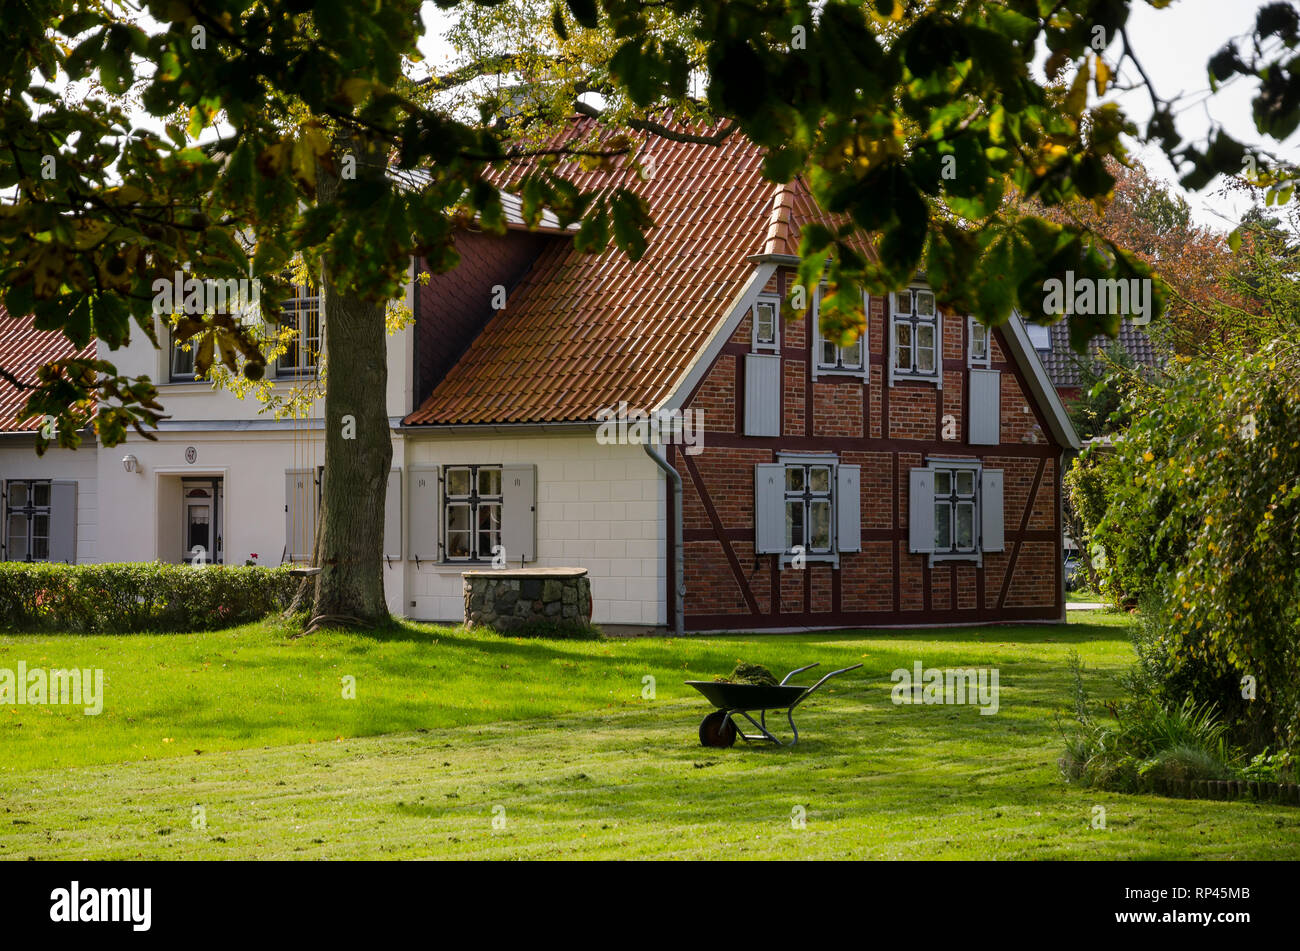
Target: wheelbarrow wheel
(717, 729)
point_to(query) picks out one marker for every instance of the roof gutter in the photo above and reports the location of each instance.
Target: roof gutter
(679, 566)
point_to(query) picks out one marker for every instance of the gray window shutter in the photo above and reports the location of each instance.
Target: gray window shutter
(762, 394)
(866, 337)
(848, 508)
(63, 522)
(393, 515)
(815, 331)
(985, 420)
(920, 511)
(938, 345)
(991, 510)
(519, 513)
(300, 510)
(891, 356)
(769, 508)
(422, 515)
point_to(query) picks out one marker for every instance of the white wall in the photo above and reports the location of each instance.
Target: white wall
(18, 460)
(598, 507)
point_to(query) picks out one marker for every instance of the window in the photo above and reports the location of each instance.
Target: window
(955, 511)
(181, 369)
(27, 520)
(808, 508)
(472, 504)
(302, 353)
(917, 350)
(767, 324)
(807, 502)
(979, 353)
(833, 357)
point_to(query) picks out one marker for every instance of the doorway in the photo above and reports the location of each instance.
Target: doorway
(201, 501)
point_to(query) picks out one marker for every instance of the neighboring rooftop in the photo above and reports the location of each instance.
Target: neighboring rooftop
(1063, 364)
(22, 350)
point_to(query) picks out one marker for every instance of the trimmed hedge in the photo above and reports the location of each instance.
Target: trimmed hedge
(137, 597)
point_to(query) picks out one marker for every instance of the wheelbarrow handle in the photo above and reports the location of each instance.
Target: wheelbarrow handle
(813, 689)
(799, 671)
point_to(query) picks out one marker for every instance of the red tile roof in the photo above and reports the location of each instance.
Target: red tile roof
(22, 350)
(581, 332)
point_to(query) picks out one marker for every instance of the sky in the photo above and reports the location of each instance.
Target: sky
(1174, 46)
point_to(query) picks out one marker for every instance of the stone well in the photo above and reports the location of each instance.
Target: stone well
(509, 598)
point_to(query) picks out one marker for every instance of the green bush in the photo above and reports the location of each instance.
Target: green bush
(1202, 516)
(137, 597)
(1141, 737)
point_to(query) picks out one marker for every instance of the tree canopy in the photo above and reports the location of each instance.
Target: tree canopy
(910, 121)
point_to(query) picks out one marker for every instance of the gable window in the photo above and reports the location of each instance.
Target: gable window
(767, 324)
(302, 352)
(979, 353)
(915, 331)
(807, 506)
(833, 357)
(472, 502)
(27, 520)
(181, 368)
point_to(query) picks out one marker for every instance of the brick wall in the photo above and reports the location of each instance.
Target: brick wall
(871, 426)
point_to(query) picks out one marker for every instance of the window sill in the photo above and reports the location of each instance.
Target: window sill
(842, 371)
(975, 556)
(900, 376)
(832, 559)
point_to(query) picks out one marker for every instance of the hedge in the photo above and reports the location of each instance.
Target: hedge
(137, 597)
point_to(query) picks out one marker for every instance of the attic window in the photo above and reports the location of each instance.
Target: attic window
(767, 324)
(833, 357)
(915, 332)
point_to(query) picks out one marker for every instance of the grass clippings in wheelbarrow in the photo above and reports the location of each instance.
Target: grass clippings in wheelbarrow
(747, 673)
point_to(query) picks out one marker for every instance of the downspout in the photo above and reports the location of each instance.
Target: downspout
(679, 568)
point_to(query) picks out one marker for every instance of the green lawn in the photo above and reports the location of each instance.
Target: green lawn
(555, 741)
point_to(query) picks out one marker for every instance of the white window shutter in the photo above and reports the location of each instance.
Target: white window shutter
(920, 511)
(769, 508)
(63, 522)
(393, 516)
(762, 394)
(991, 511)
(985, 419)
(422, 513)
(848, 508)
(300, 510)
(519, 513)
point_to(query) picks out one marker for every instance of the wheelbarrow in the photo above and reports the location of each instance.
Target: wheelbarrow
(719, 728)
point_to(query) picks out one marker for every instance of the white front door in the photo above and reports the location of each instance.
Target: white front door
(200, 522)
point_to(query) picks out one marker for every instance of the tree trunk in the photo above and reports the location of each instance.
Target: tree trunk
(358, 451)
